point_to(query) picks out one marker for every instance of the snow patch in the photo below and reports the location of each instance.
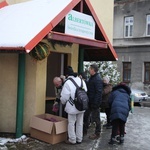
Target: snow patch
(5, 140)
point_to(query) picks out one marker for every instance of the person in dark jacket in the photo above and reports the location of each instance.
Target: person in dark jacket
(95, 87)
(119, 101)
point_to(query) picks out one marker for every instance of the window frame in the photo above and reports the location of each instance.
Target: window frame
(147, 23)
(146, 70)
(127, 71)
(128, 25)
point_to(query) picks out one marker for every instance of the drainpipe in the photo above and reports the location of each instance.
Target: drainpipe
(80, 60)
(20, 95)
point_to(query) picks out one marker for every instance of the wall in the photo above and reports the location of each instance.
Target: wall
(104, 10)
(8, 94)
(137, 57)
(35, 86)
(137, 9)
(35, 89)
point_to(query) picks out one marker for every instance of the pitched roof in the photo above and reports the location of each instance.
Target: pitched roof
(3, 4)
(24, 25)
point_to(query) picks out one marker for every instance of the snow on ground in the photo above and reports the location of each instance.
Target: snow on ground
(103, 117)
(5, 140)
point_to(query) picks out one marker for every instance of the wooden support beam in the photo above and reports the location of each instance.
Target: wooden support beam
(78, 40)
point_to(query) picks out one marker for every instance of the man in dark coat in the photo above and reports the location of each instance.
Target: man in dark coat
(95, 87)
(119, 101)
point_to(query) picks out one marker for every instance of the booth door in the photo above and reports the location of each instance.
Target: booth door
(56, 64)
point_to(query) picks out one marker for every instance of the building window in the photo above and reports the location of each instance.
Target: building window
(126, 72)
(147, 72)
(148, 25)
(128, 29)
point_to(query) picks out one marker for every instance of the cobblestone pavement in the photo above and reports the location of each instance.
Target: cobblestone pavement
(137, 137)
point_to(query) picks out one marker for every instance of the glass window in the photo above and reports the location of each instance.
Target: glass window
(148, 25)
(128, 29)
(126, 71)
(147, 72)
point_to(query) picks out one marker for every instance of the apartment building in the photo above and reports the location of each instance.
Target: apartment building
(131, 40)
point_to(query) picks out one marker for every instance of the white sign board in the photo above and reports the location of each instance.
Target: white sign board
(80, 24)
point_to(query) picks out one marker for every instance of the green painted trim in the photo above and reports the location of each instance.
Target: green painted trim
(20, 95)
(80, 60)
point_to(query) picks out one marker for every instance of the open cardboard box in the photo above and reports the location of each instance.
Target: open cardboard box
(52, 132)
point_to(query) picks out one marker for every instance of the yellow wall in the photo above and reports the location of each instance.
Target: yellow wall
(8, 88)
(35, 87)
(104, 10)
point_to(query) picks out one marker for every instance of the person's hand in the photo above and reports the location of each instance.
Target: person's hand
(55, 107)
(55, 103)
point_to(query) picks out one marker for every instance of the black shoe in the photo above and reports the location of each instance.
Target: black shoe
(121, 139)
(108, 127)
(105, 125)
(113, 141)
(78, 142)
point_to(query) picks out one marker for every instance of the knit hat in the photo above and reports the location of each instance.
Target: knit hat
(83, 74)
(69, 71)
(106, 78)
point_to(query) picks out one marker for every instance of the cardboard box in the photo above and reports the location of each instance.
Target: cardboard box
(54, 131)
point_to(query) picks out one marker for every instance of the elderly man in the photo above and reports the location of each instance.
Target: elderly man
(58, 83)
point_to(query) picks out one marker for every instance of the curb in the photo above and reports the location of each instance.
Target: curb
(145, 104)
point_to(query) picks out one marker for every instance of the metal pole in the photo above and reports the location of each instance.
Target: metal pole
(62, 73)
(20, 95)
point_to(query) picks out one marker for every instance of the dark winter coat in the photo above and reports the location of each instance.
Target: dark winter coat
(107, 88)
(95, 87)
(119, 101)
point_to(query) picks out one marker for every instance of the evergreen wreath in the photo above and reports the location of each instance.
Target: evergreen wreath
(40, 51)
